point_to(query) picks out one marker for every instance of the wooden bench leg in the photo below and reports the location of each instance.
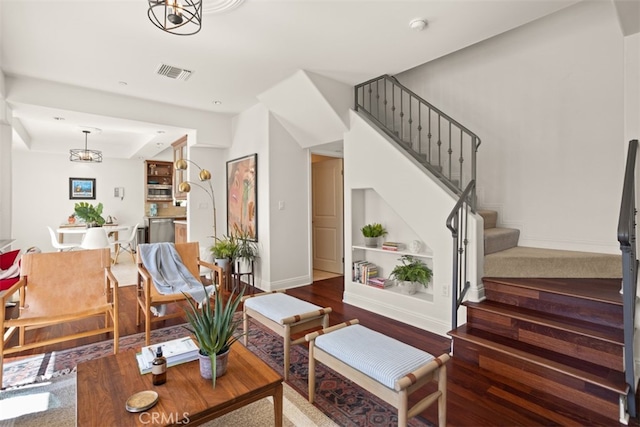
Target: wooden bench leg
(442, 400)
(403, 409)
(287, 350)
(245, 326)
(312, 373)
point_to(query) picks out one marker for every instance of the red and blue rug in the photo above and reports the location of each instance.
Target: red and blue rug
(344, 402)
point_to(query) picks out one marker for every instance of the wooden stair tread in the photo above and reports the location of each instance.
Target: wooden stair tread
(589, 329)
(602, 290)
(588, 372)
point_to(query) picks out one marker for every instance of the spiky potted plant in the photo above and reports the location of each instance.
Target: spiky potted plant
(214, 329)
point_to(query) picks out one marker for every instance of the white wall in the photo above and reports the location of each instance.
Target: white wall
(289, 183)
(547, 101)
(199, 204)
(41, 193)
(632, 87)
(250, 134)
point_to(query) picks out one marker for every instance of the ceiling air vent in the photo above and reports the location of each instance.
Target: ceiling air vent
(173, 72)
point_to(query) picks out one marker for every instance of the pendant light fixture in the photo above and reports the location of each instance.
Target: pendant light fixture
(180, 17)
(85, 155)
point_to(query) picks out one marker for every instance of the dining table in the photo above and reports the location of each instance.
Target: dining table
(111, 230)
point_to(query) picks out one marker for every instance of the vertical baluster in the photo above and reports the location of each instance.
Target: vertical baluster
(429, 137)
(393, 107)
(474, 145)
(378, 99)
(439, 143)
(385, 102)
(449, 151)
(370, 110)
(410, 122)
(461, 160)
(419, 128)
(401, 132)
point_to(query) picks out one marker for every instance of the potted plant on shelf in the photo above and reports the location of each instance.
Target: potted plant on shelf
(224, 250)
(411, 273)
(214, 328)
(371, 232)
(246, 251)
(92, 215)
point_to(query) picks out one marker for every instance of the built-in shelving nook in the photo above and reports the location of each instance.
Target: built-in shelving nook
(368, 207)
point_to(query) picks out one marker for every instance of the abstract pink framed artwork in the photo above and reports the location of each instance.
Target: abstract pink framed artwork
(242, 196)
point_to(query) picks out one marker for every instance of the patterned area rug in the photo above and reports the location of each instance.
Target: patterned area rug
(341, 400)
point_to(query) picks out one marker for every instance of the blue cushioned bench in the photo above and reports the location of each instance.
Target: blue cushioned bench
(285, 315)
(384, 366)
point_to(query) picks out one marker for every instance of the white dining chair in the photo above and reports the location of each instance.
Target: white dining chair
(61, 246)
(127, 244)
(95, 238)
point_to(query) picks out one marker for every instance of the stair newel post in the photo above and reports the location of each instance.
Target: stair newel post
(627, 239)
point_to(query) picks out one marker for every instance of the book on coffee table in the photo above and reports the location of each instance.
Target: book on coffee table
(176, 351)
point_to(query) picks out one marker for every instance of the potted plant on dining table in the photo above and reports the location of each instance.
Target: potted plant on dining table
(92, 215)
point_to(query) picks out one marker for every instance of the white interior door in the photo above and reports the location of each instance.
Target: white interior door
(327, 206)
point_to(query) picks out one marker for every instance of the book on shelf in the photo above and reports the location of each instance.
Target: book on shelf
(379, 282)
(176, 351)
(393, 246)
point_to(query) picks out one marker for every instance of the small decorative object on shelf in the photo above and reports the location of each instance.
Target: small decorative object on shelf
(371, 233)
(416, 245)
(410, 274)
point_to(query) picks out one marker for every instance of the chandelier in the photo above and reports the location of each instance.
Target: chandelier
(85, 155)
(180, 17)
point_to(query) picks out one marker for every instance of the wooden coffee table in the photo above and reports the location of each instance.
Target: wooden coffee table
(105, 384)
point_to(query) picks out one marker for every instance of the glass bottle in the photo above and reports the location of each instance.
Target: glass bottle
(159, 368)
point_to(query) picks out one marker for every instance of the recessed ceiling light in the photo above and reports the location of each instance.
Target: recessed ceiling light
(121, 83)
(160, 131)
(217, 102)
(418, 24)
(58, 118)
(159, 144)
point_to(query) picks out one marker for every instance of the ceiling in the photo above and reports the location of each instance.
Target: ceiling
(111, 46)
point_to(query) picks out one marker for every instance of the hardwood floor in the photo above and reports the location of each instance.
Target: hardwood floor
(475, 396)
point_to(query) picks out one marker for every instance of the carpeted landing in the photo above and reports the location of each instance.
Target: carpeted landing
(345, 403)
(549, 263)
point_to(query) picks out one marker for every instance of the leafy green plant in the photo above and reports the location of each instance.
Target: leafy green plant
(373, 230)
(214, 326)
(412, 270)
(225, 248)
(246, 247)
(92, 215)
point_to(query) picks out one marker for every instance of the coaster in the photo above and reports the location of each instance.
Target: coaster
(142, 401)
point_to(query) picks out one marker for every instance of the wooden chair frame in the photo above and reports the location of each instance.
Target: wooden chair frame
(434, 371)
(291, 325)
(56, 288)
(148, 296)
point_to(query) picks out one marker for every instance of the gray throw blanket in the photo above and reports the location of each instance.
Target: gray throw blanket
(168, 272)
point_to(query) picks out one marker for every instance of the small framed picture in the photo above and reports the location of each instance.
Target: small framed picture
(82, 188)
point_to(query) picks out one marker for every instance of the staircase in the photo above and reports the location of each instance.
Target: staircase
(559, 336)
(497, 239)
(546, 322)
